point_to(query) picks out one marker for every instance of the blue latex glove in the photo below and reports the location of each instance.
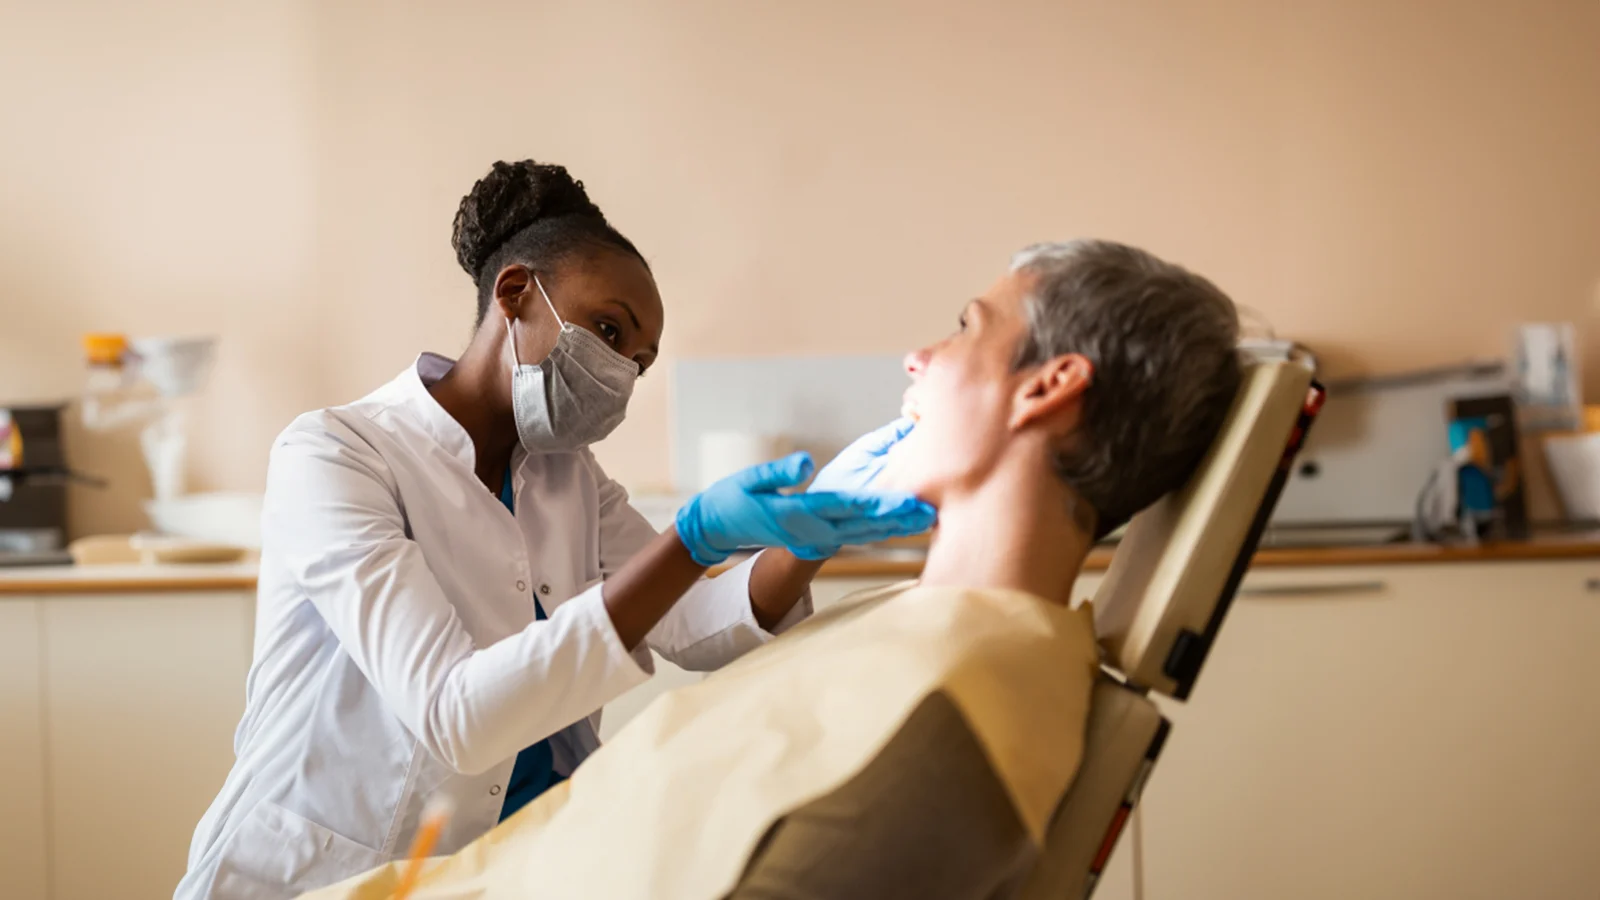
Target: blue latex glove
(746, 510)
(859, 465)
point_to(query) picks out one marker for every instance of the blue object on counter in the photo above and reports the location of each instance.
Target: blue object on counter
(1476, 485)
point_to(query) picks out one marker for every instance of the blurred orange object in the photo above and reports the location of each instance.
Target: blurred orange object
(1591, 418)
(104, 349)
(434, 817)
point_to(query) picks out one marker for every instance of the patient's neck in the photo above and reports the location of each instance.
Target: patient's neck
(1016, 530)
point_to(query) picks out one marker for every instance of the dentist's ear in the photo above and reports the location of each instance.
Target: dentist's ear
(512, 288)
(518, 303)
(1053, 389)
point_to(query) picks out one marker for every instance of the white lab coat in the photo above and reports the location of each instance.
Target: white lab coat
(397, 656)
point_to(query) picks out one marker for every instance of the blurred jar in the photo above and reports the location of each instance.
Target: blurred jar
(104, 354)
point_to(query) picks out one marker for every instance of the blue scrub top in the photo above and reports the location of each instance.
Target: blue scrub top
(535, 771)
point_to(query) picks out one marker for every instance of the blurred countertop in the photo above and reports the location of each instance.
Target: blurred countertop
(905, 558)
(899, 559)
(127, 579)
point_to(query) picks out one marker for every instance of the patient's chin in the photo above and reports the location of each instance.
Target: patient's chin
(897, 468)
(902, 473)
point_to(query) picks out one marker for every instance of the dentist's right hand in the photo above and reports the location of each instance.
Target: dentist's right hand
(746, 510)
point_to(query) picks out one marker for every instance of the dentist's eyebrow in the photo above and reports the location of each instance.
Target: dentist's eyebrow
(629, 310)
(655, 349)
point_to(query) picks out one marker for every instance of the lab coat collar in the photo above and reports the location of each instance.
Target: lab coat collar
(439, 424)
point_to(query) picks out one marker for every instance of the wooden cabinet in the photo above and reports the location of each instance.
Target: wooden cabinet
(1391, 732)
(23, 857)
(119, 713)
(143, 693)
(1401, 731)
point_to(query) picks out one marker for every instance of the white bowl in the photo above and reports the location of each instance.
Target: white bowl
(176, 366)
(221, 517)
(1575, 464)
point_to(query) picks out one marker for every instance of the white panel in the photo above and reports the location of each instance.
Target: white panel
(1372, 450)
(820, 402)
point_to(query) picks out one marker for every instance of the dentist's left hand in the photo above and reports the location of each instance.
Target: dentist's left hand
(747, 510)
(859, 466)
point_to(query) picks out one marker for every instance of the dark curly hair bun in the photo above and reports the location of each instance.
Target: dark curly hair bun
(507, 200)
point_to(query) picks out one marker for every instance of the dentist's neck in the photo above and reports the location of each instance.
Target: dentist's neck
(476, 392)
(1015, 530)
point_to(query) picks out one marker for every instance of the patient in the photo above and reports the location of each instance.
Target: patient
(913, 741)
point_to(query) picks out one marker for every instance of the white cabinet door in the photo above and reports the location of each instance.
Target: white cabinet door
(143, 693)
(23, 866)
(622, 710)
(826, 592)
(1391, 732)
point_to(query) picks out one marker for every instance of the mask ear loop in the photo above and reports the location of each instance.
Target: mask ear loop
(511, 339)
(540, 285)
(511, 335)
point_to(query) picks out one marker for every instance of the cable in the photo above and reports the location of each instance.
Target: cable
(1138, 854)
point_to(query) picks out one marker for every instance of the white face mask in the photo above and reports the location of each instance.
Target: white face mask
(577, 396)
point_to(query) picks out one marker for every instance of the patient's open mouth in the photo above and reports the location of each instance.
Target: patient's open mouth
(908, 407)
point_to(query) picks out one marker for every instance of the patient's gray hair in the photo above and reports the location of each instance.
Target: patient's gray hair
(1164, 344)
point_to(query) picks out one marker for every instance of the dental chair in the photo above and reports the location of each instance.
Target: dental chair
(1158, 611)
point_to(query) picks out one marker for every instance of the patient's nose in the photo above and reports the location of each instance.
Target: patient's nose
(916, 362)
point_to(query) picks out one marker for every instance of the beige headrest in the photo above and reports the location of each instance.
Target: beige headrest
(1172, 576)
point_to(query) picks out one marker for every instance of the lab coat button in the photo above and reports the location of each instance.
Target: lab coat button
(544, 589)
(522, 585)
(494, 790)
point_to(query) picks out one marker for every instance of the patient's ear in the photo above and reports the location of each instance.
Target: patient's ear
(1052, 393)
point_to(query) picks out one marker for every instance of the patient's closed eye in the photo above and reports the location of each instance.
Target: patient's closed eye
(971, 314)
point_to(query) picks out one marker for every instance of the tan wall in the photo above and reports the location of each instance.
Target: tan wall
(157, 175)
(1395, 184)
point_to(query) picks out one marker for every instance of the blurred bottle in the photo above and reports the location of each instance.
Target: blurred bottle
(108, 384)
(104, 354)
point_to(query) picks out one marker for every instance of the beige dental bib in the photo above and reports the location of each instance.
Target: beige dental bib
(674, 805)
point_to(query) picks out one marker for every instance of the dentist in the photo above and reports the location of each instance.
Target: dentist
(450, 586)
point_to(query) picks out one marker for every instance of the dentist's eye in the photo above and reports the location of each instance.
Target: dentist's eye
(609, 333)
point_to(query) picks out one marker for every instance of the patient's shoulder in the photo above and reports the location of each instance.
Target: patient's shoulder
(979, 612)
(1011, 633)
(865, 599)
